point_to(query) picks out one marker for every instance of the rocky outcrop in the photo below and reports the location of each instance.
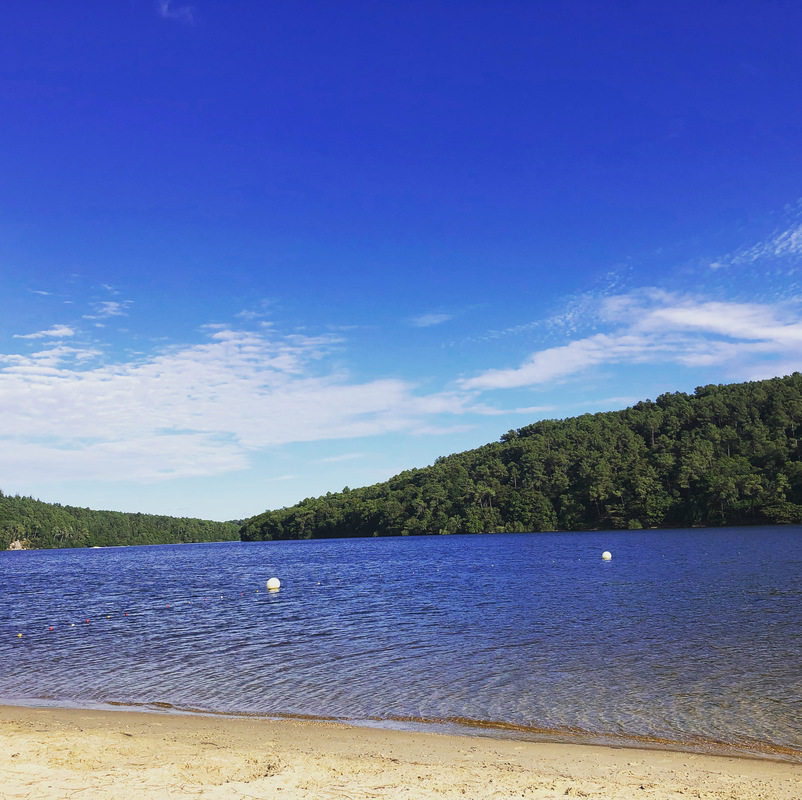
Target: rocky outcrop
(20, 544)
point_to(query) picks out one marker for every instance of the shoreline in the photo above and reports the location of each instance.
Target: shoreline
(49, 752)
(462, 727)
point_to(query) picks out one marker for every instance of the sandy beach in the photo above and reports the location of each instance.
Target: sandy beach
(57, 753)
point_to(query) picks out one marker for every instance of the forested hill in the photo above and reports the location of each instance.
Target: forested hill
(33, 524)
(725, 455)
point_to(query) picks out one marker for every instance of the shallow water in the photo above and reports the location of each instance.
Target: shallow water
(690, 638)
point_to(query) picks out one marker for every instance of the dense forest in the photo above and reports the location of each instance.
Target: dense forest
(726, 455)
(34, 524)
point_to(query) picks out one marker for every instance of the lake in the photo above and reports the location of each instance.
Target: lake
(686, 638)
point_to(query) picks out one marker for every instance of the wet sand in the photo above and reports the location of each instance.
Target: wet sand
(60, 753)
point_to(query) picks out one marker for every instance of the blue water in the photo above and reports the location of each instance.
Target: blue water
(686, 638)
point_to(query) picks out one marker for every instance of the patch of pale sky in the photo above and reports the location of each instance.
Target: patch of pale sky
(146, 458)
(341, 457)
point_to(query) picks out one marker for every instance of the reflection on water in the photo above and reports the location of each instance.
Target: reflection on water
(689, 637)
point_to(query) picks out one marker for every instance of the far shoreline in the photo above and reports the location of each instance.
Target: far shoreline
(25, 547)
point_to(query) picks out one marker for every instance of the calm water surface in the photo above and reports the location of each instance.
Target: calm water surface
(685, 637)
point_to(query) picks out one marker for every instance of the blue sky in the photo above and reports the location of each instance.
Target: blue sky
(253, 252)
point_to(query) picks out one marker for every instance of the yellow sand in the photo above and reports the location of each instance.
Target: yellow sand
(52, 753)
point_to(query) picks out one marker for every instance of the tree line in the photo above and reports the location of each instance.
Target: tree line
(34, 524)
(725, 455)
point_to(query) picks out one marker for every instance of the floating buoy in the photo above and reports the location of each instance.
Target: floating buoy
(607, 555)
(274, 584)
(19, 636)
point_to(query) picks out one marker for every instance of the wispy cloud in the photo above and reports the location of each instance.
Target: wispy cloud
(109, 308)
(41, 292)
(780, 244)
(56, 332)
(428, 320)
(169, 11)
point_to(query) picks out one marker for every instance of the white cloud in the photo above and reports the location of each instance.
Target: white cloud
(655, 311)
(56, 332)
(196, 410)
(657, 327)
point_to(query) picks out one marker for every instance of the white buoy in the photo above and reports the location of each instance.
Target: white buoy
(607, 555)
(274, 584)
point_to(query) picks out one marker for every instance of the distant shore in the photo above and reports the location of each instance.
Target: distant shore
(53, 753)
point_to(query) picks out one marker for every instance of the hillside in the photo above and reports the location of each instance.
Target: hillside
(726, 455)
(45, 525)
